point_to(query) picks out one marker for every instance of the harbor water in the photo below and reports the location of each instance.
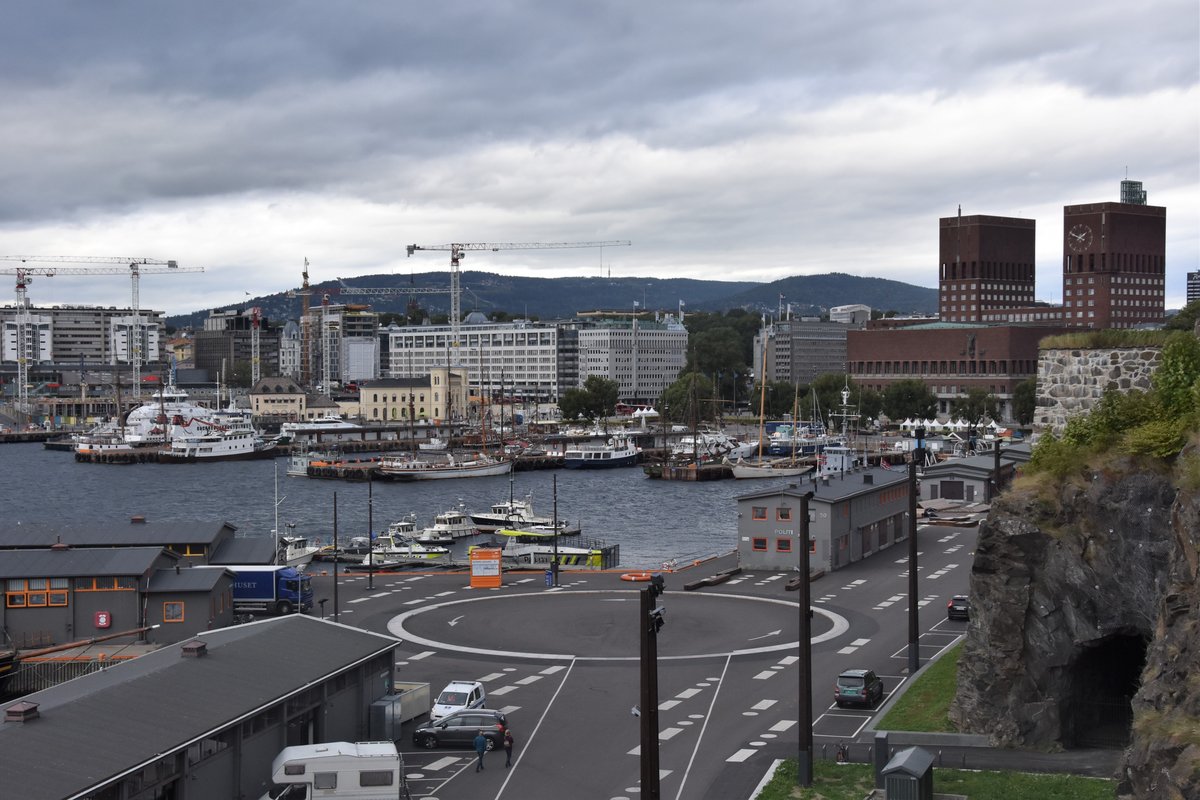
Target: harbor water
(652, 521)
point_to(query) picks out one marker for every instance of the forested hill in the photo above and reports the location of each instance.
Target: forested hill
(548, 298)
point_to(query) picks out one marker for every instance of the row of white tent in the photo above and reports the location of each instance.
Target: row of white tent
(932, 425)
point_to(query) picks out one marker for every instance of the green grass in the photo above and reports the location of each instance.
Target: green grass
(854, 781)
(925, 703)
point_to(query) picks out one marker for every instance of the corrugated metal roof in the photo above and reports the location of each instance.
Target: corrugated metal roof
(245, 550)
(69, 563)
(187, 579)
(110, 534)
(99, 726)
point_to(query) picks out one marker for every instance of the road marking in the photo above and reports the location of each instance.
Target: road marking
(859, 642)
(454, 621)
(443, 594)
(762, 676)
(765, 635)
(688, 693)
(669, 733)
(360, 600)
(414, 602)
(491, 677)
(509, 709)
(504, 690)
(442, 763)
(637, 751)
(763, 705)
(741, 755)
(787, 661)
(418, 578)
(667, 705)
(552, 670)
(782, 725)
(419, 656)
(525, 580)
(845, 651)
(529, 680)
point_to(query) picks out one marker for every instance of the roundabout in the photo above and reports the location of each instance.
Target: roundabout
(601, 625)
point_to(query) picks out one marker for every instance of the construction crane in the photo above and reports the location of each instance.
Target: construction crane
(136, 267)
(457, 254)
(255, 352)
(304, 292)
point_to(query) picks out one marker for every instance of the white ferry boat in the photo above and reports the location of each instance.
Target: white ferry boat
(618, 451)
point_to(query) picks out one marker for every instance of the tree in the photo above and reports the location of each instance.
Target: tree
(1025, 401)
(689, 399)
(909, 399)
(975, 406)
(596, 400)
(1185, 320)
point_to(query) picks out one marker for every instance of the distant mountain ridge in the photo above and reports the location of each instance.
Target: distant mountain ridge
(551, 298)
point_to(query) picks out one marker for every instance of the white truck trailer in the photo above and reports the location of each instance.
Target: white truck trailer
(358, 770)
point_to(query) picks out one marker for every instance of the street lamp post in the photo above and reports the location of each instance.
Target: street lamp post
(914, 653)
(804, 771)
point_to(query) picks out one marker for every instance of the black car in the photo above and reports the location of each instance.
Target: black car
(461, 727)
(860, 687)
(959, 607)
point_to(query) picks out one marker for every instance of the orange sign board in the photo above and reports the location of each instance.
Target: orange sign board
(485, 568)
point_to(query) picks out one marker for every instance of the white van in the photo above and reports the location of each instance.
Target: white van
(457, 696)
(359, 770)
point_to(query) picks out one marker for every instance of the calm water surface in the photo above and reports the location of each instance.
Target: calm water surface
(652, 521)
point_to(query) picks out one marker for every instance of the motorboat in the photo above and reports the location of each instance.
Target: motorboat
(390, 547)
(296, 551)
(447, 527)
(539, 550)
(777, 468)
(435, 444)
(705, 446)
(510, 513)
(618, 451)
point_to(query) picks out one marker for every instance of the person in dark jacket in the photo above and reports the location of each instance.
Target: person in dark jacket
(480, 748)
(508, 743)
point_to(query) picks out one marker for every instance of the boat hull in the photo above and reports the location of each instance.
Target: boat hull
(168, 457)
(600, 463)
(411, 472)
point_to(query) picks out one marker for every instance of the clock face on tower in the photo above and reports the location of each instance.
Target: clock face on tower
(1079, 238)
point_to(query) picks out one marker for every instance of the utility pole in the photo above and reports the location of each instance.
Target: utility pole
(650, 621)
(914, 653)
(804, 771)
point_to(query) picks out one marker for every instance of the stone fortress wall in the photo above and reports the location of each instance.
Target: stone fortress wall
(1071, 381)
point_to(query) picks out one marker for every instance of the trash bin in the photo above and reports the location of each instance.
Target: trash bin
(550, 577)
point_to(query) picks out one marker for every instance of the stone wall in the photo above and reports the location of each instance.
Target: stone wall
(1071, 381)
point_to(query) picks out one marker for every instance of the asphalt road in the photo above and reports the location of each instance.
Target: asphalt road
(563, 664)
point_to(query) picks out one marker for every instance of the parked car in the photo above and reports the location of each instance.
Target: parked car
(959, 607)
(458, 696)
(858, 687)
(461, 728)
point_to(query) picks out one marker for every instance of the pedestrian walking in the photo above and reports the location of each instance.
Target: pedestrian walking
(481, 743)
(508, 743)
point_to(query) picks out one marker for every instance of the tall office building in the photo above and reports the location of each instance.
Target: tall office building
(986, 264)
(1193, 287)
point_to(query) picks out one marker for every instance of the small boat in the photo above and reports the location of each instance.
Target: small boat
(389, 547)
(526, 549)
(510, 513)
(447, 527)
(415, 469)
(296, 551)
(618, 451)
(435, 444)
(782, 468)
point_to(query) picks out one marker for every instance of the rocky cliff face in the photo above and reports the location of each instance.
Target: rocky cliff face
(1078, 600)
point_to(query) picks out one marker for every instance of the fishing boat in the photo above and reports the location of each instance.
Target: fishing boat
(618, 451)
(510, 513)
(778, 468)
(296, 551)
(415, 469)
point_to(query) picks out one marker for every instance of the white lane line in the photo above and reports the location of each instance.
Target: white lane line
(669, 733)
(552, 670)
(529, 680)
(508, 709)
(414, 602)
(419, 656)
(782, 725)
(504, 690)
(763, 705)
(536, 728)
(703, 728)
(741, 755)
(360, 600)
(491, 677)
(442, 763)
(443, 594)
(688, 693)
(845, 651)
(859, 642)
(418, 578)
(637, 751)
(762, 676)
(787, 661)
(667, 705)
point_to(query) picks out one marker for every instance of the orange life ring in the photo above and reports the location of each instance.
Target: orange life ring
(636, 576)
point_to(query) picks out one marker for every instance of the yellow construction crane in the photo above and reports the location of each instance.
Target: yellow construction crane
(457, 253)
(134, 267)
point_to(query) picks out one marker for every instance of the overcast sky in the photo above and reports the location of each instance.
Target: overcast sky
(726, 140)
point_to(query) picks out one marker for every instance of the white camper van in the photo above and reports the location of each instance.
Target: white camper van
(359, 770)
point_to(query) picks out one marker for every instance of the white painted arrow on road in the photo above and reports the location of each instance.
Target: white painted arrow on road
(454, 621)
(765, 635)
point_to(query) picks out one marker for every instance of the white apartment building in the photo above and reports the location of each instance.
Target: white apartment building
(520, 356)
(643, 357)
(289, 350)
(344, 345)
(39, 337)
